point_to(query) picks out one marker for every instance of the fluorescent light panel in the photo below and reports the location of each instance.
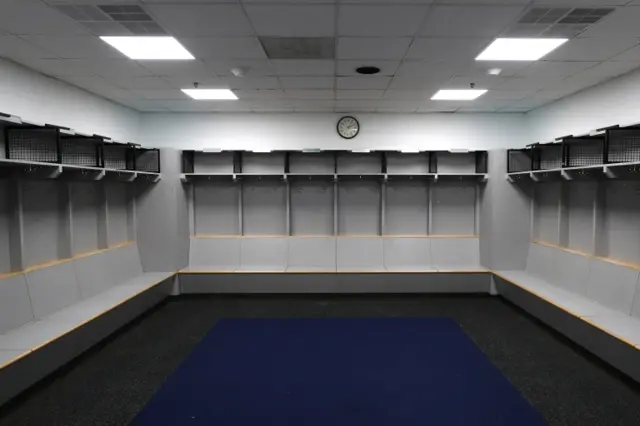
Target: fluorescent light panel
(210, 94)
(150, 48)
(458, 95)
(520, 49)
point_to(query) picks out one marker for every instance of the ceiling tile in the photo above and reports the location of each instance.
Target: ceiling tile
(507, 95)
(26, 17)
(193, 70)
(393, 106)
(303, 67)
(259, 94)
(181, 82)
(224, 47)
(91, 83)
(380, 21)
(359, 94)
(187, 106)
(551, 68)
(591, 49)
(202, 20)
(372, 48)
(426, 70)
(409, 95)
(417, 83)
(363, 82)
(309, 94)
(251, 68)
(528, 83)
(146, 105)
(348, 68)
(139, 83)
(75, 47)
(447, 49)
(621, 23)
(469, 21)
(13, 47)
(166, 94)
(486, 82)
(631, 55)
(480, 68)
(307, 82)
(292, 20)
(88, 67)
(250, 82)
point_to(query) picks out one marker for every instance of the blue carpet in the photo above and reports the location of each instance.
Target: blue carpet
(337, 372)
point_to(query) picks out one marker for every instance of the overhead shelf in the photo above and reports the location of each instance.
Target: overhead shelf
(49, 151)
(481, 177)
(610, 153)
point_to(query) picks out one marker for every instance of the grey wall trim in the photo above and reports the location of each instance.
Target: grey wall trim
(615, 352)
(335, 283)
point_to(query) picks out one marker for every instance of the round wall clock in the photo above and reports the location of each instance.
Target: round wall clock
(348, 127)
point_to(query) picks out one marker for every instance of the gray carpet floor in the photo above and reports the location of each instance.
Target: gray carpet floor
(111, 383)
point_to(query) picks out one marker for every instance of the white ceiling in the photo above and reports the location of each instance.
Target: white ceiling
(420, 46)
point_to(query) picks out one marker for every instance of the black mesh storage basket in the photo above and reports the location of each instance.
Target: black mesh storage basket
(519, 160)
(147, 160)
(547, 156)
(623, 145)
(482, 160)
(37, 145)
(117, 156)
(583, 151)
(81, 151)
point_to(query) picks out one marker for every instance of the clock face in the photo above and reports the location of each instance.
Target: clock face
(348, 127)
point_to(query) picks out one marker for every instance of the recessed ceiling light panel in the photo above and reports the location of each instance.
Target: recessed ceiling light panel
(211, 94)
(519, 49)
(150, 48)
(458, 95)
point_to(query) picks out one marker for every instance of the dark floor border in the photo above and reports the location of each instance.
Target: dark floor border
(334, 283)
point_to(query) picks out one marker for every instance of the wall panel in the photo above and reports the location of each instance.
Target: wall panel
(5, 250)
(264, 206)
(622, 220)
(580, 212)
(117, 205)
(216, 207)
(42, 221)
(84, 202)
(359, 206)
(312, 207)
(407, 207)
(453, 208)
(547, 198)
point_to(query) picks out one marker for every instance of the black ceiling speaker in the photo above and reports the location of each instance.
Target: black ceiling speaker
(367, 70)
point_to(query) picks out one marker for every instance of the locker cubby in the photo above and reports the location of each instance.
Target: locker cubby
(217, 207)
(304, 163)
(453, 208)
(146, 160)
(264, 206)
(547, 156)
(623, 145)
(33, 144)
(311, 206)
(406, 206)
(519, 160)
(81, 151)
(359, 206)
(118, 156)
(399, 163)
(583, 151)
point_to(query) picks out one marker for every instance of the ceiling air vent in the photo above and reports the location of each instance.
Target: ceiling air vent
(299, 47)
(556, 22)
(113, 20)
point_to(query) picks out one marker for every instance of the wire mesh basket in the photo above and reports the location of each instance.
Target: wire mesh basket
(519, 160)
(37, 145)
(482, 162)
(579, 152)
(547, 156)
(81, 151)
(117, 156)
(623, 145)
(147, 160)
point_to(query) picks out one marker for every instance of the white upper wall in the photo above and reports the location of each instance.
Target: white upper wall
(614, 102)
(38, 98)
(299, 131)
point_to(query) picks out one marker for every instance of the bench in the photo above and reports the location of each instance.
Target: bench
(52, 313)
(593, 301)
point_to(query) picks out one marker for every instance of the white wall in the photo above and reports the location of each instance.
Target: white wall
(614, 102)
(38, 98)
(296, 131)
